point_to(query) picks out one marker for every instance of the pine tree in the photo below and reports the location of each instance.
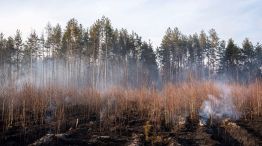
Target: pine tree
(56, 39)
(247, 59)
(232, 58)
(71, 39)
(31, 51)
(193, 50)
(106, 45)
(86, 44)
(148, 60)
(10, 49)
(176, 49)
(258, 60)
(200, 49)
(202, 52)
(3, 51)
(221, 56)
(18, 46)
(164, 55)
(214, 42)
(94, 33)
(106, 38)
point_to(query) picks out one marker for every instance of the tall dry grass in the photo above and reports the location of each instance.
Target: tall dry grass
(59, 108)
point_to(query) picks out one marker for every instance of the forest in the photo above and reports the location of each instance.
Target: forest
(102, 54)
(101, 85)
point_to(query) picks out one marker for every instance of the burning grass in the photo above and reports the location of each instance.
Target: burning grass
(55, 109)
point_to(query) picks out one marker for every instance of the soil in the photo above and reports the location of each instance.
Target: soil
(132, 133)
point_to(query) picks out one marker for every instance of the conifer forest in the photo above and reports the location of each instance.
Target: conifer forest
(105, 85)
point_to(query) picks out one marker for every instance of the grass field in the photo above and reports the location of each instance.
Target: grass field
(189, 113)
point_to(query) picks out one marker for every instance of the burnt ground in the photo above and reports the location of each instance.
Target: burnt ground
(253, 126)
(192, 134)
(131, 132)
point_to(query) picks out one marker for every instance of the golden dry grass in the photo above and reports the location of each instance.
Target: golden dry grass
(55, 105)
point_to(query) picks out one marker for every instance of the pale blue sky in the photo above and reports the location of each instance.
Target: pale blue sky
(149, 18)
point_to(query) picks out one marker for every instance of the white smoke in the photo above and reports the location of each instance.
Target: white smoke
(218, 108)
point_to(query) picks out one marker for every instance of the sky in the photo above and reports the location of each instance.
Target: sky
(235, 19)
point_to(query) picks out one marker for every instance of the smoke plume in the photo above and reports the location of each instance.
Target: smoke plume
(218, 108)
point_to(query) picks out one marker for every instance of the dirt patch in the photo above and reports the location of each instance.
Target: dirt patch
(133, 130)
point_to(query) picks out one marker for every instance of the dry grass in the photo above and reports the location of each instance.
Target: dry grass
(61, 107)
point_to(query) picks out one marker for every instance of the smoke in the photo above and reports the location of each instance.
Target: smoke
(74, 72)
(218, 108)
